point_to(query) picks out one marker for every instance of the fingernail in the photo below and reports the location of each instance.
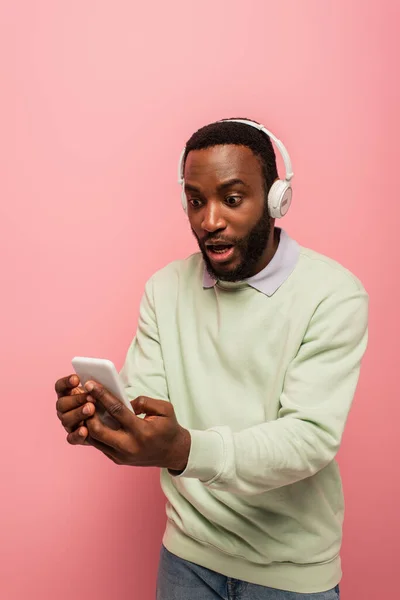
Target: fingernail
(82, 432)
(87, 409)
(72, 379)
(89, 386)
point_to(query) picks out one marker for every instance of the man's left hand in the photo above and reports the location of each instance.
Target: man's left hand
(157, 440)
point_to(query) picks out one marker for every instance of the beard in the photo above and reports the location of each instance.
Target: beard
(250, 248)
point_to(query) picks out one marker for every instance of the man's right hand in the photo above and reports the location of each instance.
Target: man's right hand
(71, 408)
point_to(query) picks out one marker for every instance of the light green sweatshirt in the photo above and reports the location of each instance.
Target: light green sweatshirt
(264, 383)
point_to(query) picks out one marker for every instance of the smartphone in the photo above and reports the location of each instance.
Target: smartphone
(103, 371)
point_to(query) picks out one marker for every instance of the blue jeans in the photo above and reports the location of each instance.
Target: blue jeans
(180, 579)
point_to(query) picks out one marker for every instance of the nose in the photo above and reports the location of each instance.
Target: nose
(213, 219)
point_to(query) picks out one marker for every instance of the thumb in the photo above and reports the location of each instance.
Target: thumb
(150, 406)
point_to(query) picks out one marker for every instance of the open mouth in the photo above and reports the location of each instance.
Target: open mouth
(220, 252)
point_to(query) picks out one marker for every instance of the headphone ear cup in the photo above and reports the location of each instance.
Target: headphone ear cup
(184, 200)
(279, 198)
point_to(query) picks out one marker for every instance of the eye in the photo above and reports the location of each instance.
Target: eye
(233, 200)
(195, 202)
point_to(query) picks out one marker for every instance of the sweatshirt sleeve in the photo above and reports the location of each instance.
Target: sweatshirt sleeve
(143, 371)
(315, 401)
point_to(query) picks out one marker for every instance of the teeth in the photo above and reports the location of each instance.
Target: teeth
(219, 250)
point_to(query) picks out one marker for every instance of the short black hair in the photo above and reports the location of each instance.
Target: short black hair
(231, 132)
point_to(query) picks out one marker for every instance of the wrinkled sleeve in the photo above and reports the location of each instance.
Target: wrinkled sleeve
(143, 371)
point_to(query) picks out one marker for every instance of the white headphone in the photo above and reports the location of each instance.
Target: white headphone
(280, 194)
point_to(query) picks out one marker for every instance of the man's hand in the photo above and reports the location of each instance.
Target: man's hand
(157, 440)
(73, 408)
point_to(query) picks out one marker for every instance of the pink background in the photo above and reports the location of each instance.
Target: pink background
(96, 101)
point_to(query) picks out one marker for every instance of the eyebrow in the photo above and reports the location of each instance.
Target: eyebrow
(221, 187)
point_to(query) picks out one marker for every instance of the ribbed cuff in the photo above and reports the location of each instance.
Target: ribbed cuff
(206, 456)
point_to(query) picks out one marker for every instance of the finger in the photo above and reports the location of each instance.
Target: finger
(67, 403)
(115, 407)
(69, 429)
(111, 453)
(152, 407)
(113, 438)
(77, 390)
(78, 437)
(65, 384)
(73, 418)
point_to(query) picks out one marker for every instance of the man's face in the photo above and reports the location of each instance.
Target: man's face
(227, 210)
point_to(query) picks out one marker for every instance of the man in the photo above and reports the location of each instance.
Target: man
(245, 363)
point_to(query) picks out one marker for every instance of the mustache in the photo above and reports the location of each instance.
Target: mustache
(212, 238)
(217, 240)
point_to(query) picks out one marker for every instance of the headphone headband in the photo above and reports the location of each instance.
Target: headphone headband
(282, 150)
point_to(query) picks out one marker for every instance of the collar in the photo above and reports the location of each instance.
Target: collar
(274, 274)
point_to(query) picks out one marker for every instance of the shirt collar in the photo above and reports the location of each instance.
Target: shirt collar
(270, 279)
